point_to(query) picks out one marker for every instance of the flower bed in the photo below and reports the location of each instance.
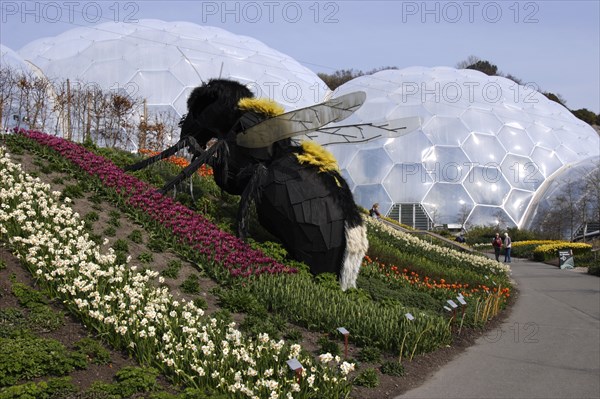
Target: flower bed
(132, 311)
(226, 250)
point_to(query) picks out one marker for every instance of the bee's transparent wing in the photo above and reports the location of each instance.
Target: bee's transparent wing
(358, 133)
(301, 121)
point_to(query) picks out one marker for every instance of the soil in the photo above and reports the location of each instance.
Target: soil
(417, 371)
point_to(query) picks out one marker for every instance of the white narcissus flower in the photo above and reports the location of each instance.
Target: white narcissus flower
(326, 357)
(346, 368)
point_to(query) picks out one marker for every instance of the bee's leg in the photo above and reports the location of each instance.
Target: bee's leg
(199, 159)
(185, 173)
(166, 153)
(251, 194)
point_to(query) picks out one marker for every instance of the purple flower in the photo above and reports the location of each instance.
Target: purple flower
(191, 228)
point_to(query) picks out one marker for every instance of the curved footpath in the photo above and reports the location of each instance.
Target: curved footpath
(548, 347)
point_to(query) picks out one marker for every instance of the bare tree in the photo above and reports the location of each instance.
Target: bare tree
(471, 60)
(8, 88)
(158, 131)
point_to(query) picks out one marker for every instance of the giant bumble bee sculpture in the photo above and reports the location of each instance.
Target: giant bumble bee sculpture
(299, 194)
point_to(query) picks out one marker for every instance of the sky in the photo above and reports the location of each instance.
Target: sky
(551, 45)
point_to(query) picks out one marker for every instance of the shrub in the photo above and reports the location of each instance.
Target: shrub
(327, 346)
(191, 285)
(367, 378)
(392, 368)
(369, 354)
(172, 270)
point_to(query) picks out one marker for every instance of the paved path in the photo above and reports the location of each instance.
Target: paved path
(549, 346)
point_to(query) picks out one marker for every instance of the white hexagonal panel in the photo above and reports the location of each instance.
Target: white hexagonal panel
(483, 215)
(515, 140)
(444, 202)
(447, 164)
(522, 172)
(366, 195)
(445, 130)
(407, 182)
(487, 185)
(517, 203)
(484, 149)
(370, 166)
(547, 161)
(481, 121)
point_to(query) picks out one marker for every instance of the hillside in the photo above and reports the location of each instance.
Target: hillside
(400, 276)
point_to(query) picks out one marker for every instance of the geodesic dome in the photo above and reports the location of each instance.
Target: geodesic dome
(9, 58)
(163, 61)
(485, 146)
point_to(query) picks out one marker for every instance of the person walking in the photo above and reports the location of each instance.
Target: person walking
(497, 244)
(507, 247)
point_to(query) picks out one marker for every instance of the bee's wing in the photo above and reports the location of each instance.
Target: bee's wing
(358, 133)
(300, 121)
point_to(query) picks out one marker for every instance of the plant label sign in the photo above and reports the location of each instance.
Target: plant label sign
(452, 303)
(294, 364)
(343, 331)
(409, 316)
(565, 259)
(461, 300)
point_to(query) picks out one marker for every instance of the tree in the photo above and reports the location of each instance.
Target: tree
(485, 67)
(471, 60)
(556, 98)
(585, 115)
(339, 77)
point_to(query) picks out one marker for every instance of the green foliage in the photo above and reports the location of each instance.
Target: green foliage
(2, 264)
(367, 378)
(27, 296)
(157, 244)
(485, 67)
(387, 293)
(135, 236)
(392, 368)
(585, 115)
(145, 257)
(555, 97)
(12, 322)
(317, 308)
(91, 216)
(43, 319)
(121, 245)
(131, 380)
(97, 238)
(254, 325)
(120, 257)
(240, 300)
(191, 285)
(200, 303)
(327, 280)
(369, 354)
(594, 269)
(110, 231)
(30, 357)
(172, 270)
(72, 191)
(96, 198)
(58, 180)
(53, 388)
(93, 350)
(328, 346)
(293, 335)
